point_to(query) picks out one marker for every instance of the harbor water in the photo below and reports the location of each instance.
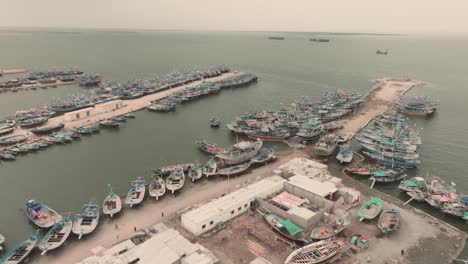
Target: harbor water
(65, 177)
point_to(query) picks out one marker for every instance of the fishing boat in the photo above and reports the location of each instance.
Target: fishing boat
(47, 129)
(359, 170)
(32, 122)
(175, 181)
(240, 152)
(417, 106)
(20, 252)
(389, 220)
(167, 170)
(392, 162)
(317, 252)
(112, 203)
(329, 230)
(130, 115)
(119, 119)
(41, 215)
(56, 236)
(208, 147)
(415, 183)
(345, 155)
(326, 145)
(312, 130)
(370, 209)
(136, 193)
(6, 131)
(11, 140)
(210, 168)
(264, 156)
(455, 208)
(157, 187)
(388, 175)
(86, 220)
(214, 122)
(438, 201)
(109, 124)
(267, 134)
(234, 170)
(195, 172)
(286, 228)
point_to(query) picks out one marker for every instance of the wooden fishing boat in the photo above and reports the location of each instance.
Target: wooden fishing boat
(136, 194)
(157, 187)
(240, 152)
(317, 252)
(112, 203)
(20, 252)
(330, 229)
(41, 215)
(234, 170)
(370, 209)
(417, 195)
(208, 147)
(286, 228)
(130, 115)
(326, 145)
(455, 208)
(359, 170)
(86, 220)
(56, 236)
(214, 122)
(11, 140)
(388, 175)
(109, 124)
(389, 220)
(32, 122)
(175, 181)
(210, 168)
(195, 172)
(264, 156)
(345, 155)
(415, 183)
(47, 129)
(167, 170)
(6, 131)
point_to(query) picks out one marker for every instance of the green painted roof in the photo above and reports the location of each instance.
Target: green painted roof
(379, 174)
(291, 227)
(409, 183)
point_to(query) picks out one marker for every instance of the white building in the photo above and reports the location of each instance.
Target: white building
(322, 189)
(167, 246)
(79, 114)
(206, 217)
(109, 106)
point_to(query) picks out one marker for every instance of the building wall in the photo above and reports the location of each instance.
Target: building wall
(109, 106)
(79, 114)
(313, 199)
(205, 218)
(303, 223)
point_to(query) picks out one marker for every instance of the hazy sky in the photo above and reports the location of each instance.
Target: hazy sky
(395, 16)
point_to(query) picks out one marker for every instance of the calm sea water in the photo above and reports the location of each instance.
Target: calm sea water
(65, 177)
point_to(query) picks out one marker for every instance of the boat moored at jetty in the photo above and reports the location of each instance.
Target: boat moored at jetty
(240, 152)
(112, 203)
(41, 215)
(417, 106)
(264, 156)
(86, 220)
(56, 236)
(370, 209)
(47, 129)
(210, 168)
(175, 181)
(209, 147)
(388, 175)
(389, 220)
(20, 252)
(136, 193)
(157, 187)
(167, 170)
(11, 140)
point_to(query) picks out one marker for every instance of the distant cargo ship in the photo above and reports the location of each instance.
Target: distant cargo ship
(276, 38)
(319, 40)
